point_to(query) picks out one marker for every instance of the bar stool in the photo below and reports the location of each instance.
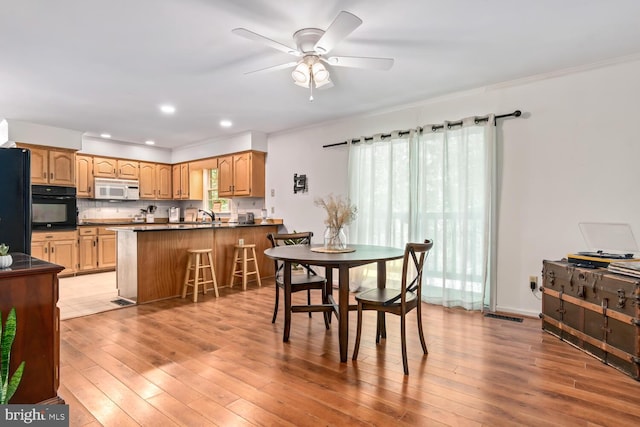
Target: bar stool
(199, 268)
(240, 261)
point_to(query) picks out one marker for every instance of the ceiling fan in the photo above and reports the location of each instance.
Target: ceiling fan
(312, 47)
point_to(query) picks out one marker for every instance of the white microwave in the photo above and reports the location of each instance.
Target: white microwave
(116, 189)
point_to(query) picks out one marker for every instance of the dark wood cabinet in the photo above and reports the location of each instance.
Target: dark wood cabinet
(31, 286)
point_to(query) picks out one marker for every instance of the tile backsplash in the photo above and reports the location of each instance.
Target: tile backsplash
(103, 209)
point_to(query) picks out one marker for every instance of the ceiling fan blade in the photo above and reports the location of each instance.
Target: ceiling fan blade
(274, 68)
(243, 32)
(342, 26)
(360, 62)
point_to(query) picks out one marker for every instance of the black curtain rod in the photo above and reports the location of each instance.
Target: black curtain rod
(516, 113)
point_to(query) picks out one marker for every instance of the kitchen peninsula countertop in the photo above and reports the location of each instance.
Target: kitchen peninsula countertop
(152, 258)
(181, 226)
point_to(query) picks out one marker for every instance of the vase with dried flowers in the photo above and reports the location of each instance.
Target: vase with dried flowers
(340, 212)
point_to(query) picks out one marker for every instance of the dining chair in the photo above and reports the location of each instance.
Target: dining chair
(398, 301)
(307, 280)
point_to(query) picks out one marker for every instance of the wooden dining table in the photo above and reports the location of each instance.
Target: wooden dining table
(343, 262)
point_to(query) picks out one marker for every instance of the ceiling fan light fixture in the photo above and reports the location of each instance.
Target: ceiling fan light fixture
(301, 75)
(322, 83)
(320, 74)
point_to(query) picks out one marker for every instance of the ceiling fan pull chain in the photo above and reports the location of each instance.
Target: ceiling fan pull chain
(311, 83)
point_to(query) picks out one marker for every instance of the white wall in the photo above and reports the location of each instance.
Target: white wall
(125, 150)
(4, 131)
(33, 133)
(220, 146)
(572, 158)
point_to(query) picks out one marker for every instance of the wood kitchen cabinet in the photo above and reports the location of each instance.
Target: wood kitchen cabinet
(155, 181)
(105, 167)
(241, 174)
(187, 182)
(87, 248)
(163, 181)
(128, 169)
(176, 173)
(147, 180)
(58, 247)
(51, 166)
(96, 249)
(84, 176)
(106, 248)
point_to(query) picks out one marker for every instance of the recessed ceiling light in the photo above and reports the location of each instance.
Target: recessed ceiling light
(225, 123)
(105, 135)
(168, 109)
(150, 142)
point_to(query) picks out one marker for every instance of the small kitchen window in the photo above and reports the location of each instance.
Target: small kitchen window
(211, 200)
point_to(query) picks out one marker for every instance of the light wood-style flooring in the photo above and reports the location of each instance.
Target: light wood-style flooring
(222, 362)
(87, 294)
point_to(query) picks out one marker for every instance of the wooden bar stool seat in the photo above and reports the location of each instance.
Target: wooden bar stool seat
(243, 255)
(198, 264)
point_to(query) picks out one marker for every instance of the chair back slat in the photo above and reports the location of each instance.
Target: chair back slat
(298, 238)
(412, 262)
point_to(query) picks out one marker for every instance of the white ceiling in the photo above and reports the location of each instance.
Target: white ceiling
(106, 66)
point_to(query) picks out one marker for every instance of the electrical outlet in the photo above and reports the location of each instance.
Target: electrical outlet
(273, 210)
(273, 192)
(533, 283)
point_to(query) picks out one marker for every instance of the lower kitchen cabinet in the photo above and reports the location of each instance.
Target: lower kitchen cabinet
(96, 249)
(87, 248)
(57, 247)
(106, 248)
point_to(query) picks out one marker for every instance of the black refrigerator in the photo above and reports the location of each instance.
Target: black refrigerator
(15, 199)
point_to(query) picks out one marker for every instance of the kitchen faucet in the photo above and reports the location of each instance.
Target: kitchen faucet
(210, 214)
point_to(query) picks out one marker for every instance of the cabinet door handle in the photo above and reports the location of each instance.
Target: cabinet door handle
(45, 250)
(44, 175)
(51, 175)
(52, 249)
(89, 189)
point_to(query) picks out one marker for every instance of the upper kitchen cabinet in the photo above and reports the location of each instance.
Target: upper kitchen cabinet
(84, 176)
(51, 166)
(241, 174)
(163, 181)
(105, 167)
(147, 180)
(128, 169)
(187, 182)
(155, 181)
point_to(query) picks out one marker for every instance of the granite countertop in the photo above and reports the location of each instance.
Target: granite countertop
(181, 226)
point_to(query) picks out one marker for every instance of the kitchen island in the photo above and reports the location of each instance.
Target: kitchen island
(152, 258)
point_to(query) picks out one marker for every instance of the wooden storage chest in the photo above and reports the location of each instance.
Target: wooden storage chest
(596, 311)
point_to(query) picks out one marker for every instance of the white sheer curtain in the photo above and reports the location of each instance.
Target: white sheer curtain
(438, 185)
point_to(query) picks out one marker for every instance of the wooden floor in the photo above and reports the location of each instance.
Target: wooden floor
(222, 362)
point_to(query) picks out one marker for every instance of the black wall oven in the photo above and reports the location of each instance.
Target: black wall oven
(53, 208)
